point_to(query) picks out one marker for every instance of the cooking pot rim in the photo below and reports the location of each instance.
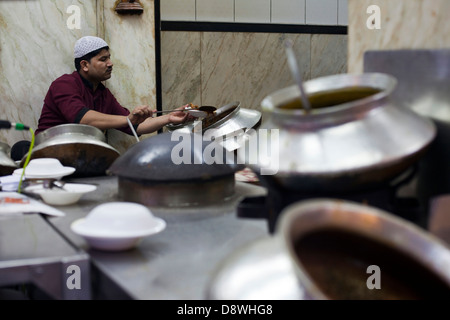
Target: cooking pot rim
(385, 82)
(303, 217)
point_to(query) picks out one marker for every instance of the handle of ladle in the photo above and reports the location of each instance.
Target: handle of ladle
(293, 66)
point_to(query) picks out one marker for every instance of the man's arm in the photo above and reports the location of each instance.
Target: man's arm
(105, 121)
(153, 124)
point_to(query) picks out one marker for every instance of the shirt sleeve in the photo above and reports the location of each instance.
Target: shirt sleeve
(66, 96)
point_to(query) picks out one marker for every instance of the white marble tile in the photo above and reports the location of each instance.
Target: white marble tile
(246, 67)
(132, 46)
(180, 68)
(178, 10)
(343, 12)
(36, 47)
(328, 54)
(288, 11)
(215, 10)
(404, 24)
(321, 12)
(252, 11)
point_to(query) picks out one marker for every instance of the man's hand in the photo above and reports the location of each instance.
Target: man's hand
(180, 116)
(139, 114)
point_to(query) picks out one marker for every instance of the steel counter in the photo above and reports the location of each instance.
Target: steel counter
(175, 264)
(32, 252)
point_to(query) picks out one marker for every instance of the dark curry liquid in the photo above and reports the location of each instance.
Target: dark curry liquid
(337, 262)
(330, 98)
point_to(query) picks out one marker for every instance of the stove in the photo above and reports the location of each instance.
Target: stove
(385, 197)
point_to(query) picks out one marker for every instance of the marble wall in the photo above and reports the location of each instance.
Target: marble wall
(215, 68)
(404, 24)
(36, 46)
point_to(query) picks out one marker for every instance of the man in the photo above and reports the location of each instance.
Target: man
(81, 97)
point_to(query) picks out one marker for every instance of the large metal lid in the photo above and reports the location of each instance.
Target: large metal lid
(80, 146)
(176, 156)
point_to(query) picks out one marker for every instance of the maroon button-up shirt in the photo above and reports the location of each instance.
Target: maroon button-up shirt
(71, 96)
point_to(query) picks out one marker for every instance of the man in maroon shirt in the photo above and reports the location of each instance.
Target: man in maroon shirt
(81, 97)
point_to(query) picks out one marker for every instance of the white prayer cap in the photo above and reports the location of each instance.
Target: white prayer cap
(87, 44)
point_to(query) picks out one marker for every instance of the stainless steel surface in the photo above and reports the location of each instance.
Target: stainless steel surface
(32, 252)
(423, 78)
(177, 194)
(261, 270)
(344, 147)
(176, 263)
(75, 145)
(423, 86)
(7, 165)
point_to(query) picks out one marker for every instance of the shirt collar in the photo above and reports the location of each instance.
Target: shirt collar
(88, 84)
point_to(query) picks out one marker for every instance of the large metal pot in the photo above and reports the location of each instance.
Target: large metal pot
(7, 165)
(76, 145)
(334, 249)
(360, 141)
(173, 170)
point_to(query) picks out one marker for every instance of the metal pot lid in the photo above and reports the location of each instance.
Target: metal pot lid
(185, 158)
(238, 118)
(80, 146)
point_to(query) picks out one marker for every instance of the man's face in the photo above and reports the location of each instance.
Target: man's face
(100, 67)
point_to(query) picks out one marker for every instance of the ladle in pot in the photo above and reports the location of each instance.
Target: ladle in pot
(293, 66)
(198, 113)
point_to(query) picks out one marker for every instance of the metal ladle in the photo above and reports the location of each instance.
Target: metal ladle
(194, 112)
(293, 66)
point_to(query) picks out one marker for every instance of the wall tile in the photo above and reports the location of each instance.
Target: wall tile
(288, 11)
(405, 24)
(215, 10)
(133, 81)
(328, 54)
(180, 68)
(343, 12)
(247, 67)
(252, 11)
(321, 12)
(181, 10)
(36, 47)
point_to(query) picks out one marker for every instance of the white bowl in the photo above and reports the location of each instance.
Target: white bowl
(117, 226)
(45, 168)
(70, 193)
